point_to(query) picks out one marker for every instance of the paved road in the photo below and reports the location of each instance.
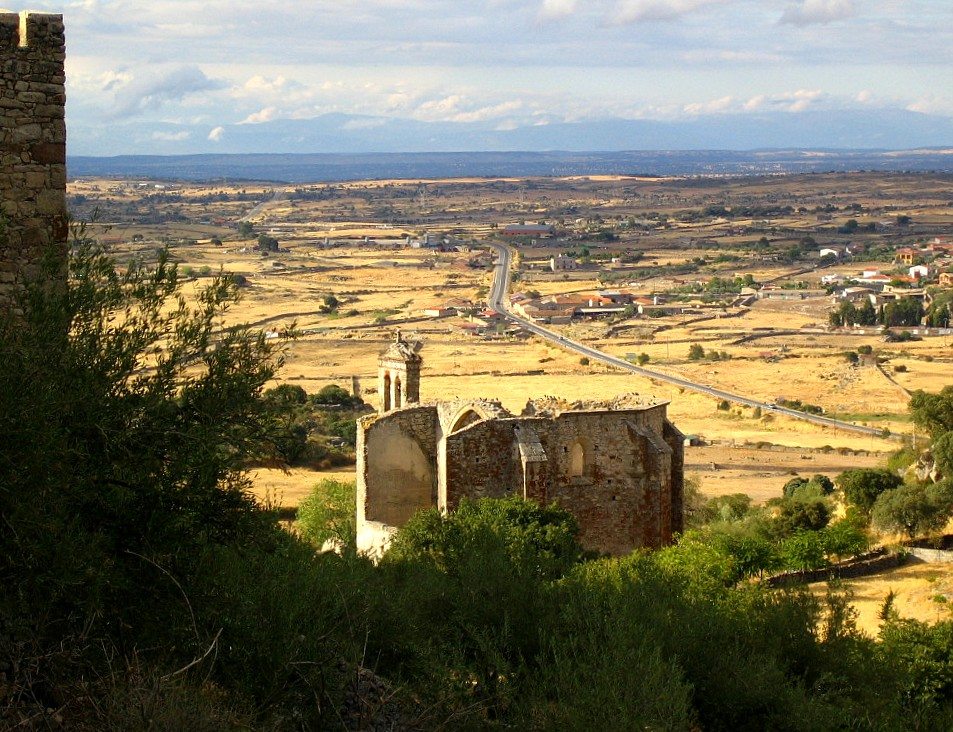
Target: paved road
(498, 301)
(278, 195)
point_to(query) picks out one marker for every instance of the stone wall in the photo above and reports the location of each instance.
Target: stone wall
(396, 465)
(625, 493)
(617, 470)
(864, 565)
(32, 146)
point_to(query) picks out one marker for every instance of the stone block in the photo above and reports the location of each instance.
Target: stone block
(49, 153)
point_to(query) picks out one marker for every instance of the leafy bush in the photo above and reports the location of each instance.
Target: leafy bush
(862, 486)
(914, 509)
(535, 540)
(327, 514)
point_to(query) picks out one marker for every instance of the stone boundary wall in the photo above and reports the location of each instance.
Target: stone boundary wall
(860, 566)
(32, 146)
(931, 556)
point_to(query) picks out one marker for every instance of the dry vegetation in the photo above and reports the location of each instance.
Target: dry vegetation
(380, 284)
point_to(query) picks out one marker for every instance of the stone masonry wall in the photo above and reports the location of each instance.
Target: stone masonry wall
(32, 146)
(626, 496)
(396, 464)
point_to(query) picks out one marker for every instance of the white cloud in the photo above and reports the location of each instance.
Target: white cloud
(932, 104)
(457, 108)
(793, 101)
(151, 90)
(715, 106)
(813, 12)
(557, 9)
(800, 100)
(634, 11)
(263, 115)
(216, 134)
(490, 112)
(755, 103)
(171, 136)
(364, 124)
(258, 84)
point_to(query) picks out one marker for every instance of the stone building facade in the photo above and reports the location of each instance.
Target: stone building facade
(32, 146)
(617, 467)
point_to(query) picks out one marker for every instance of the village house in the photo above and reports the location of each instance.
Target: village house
(562, 263)
(920, 272)
(906, 255)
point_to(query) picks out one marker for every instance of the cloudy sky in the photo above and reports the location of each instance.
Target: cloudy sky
(146, 74)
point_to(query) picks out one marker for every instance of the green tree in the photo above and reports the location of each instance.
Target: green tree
(286, 394)
(933, 412)
(327, 514)
(696, 352)
(824, 483)
(862, 486)
(642, 359)
(792, 485)
(913, 509)
(267, 243)
(844, 538)
(801, 515)
(942, 449)
(334, 394)
(537, 540)
(804, 550)
(127, 420)
(246, 230)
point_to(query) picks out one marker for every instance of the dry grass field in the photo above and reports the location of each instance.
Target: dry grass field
(921, 591)
(380, 285)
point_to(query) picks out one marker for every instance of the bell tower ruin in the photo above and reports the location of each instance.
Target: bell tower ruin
(398, 374)
(32, 146)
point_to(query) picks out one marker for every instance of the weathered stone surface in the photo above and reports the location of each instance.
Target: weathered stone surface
(32, 144)
(616, 466)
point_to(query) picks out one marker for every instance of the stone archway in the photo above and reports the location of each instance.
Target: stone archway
(465, 418)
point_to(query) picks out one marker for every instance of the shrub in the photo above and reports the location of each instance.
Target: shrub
(327, 514)
(804, 550)
(538, 540)
(862, 486)
(914, 509)
(792, 485)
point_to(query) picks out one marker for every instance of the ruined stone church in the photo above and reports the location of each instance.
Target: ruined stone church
(617, 467)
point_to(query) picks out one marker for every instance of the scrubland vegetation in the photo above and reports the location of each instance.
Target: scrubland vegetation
(142, 588)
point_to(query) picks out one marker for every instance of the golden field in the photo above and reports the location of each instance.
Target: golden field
(381, 285)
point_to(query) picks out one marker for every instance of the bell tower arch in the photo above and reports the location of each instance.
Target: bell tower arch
(398, 374)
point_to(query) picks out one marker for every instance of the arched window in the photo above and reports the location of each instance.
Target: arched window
(386, 395)
(398, 401)
(577, 460)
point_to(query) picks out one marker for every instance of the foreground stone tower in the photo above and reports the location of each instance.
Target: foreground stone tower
(398, 375)
(32, 145)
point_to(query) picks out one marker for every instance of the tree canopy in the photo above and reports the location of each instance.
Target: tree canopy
(861, 487)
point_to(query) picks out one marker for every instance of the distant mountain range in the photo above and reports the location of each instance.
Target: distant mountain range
(342, 133)
(340, 146)
(307, 168)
